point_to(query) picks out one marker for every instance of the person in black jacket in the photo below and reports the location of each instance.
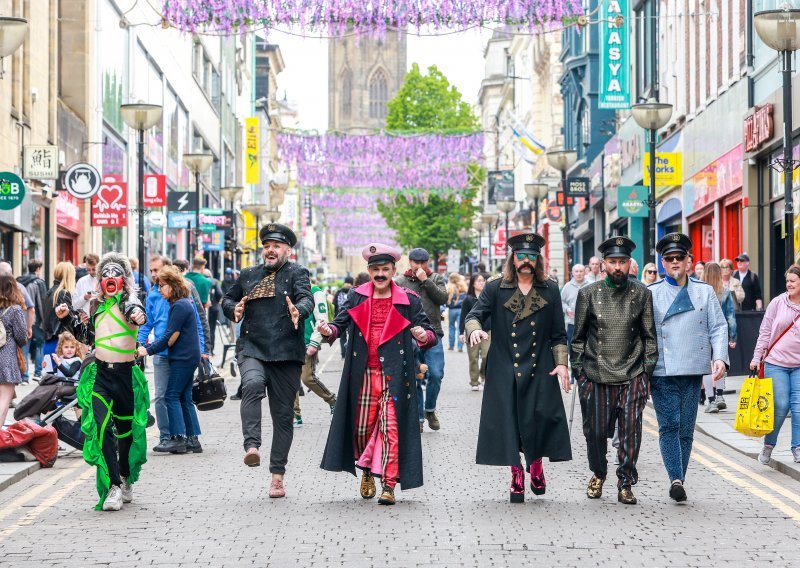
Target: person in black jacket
(338, 304)
(753, 299)
(273, 298)
(476, 353)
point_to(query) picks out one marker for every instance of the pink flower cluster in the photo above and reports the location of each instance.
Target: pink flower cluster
(375, 17)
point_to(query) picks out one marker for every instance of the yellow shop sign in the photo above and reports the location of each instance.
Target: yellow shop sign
(669, 168)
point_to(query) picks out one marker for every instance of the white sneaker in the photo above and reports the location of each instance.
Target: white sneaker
(127, 491)
(796, 454)
(113, 500)
(721, 404)
(765, 455)
(475, 388)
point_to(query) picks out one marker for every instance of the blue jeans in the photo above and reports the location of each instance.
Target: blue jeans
(434, 359)
(37, 344)
(160, 380)
(786, 390)
(675, 400)
(452, 328)
(182, 415)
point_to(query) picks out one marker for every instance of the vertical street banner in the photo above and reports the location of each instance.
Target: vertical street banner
(615, 74)
(110, 203)
(251, 165)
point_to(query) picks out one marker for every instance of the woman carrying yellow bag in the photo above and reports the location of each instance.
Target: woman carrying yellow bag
(778, 350)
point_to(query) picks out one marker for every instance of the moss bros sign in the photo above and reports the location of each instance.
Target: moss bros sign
(615, 92)
(12, 191)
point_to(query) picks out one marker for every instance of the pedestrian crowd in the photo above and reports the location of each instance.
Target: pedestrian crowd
(613, 335)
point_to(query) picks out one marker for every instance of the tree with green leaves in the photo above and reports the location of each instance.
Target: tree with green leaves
(428, 103)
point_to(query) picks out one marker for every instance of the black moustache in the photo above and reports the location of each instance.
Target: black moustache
(526, 264)
(380, 279)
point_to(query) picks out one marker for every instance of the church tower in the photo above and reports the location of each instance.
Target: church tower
(364, 74)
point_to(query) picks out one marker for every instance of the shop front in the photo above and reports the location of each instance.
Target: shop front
(68, 223)
(713, 207)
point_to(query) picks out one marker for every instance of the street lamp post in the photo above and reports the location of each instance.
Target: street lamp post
(536, 192)
(231, 194)
(197, 164)
(12, 34)
(477, 225)
(141, 117)
(562, 160)
(506, 206)
(464, 234)
(490, 220)
(779, 30)
(651, 116)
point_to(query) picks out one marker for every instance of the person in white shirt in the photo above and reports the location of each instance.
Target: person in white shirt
(86, 286)
(593, 274)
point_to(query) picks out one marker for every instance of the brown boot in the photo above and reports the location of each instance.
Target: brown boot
(387, 496)
(626, 496)
(367, 485)
(433, 421)
(595, 488)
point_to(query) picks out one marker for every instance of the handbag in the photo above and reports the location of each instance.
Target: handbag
(208, 390)
(755, 412)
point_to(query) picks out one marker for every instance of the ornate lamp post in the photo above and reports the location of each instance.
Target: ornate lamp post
(779, 30)
(256, 210)
(651, 116)
(197, 164)
(464, 234)
(489, 221)
(232, 194)
(562, 160)
(141, 117)
(477, 225)
(506, 206)
(536, 192)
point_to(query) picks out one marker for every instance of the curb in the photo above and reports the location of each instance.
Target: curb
(23, 470)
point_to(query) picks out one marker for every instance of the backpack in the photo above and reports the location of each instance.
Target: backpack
(3, 334)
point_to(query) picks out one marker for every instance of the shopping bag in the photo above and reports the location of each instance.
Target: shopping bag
(755, 414)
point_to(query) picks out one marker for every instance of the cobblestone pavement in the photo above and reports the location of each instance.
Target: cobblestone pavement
(211, 510)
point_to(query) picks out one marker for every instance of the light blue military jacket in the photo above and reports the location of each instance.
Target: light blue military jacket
(691, 328)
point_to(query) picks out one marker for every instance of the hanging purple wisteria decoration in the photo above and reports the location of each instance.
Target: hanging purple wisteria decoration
(417, 164)
(367, 17)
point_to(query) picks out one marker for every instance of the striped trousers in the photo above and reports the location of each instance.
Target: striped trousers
(604, 407)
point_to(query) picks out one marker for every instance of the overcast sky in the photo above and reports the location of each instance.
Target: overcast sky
(305, 80)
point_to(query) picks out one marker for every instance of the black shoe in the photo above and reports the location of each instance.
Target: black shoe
(162, 446)
(150, 419)
(237, 396)
(176, 445)
(193, 445)
(677, 492)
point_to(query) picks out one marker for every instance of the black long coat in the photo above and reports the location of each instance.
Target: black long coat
(396, 352)
(267, 330)
(522, 406)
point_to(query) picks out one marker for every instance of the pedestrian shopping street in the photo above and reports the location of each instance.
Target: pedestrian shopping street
(210, 510)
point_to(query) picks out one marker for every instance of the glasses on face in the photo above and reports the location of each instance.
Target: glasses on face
(530, 256)
(652, 272)
(675, 258)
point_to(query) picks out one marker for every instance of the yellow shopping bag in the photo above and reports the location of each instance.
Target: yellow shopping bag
(755, 414)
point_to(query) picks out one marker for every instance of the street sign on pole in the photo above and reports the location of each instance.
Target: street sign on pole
(12, 191)
(578, 187)
(39, 162)
(82, 180)
(181, 201)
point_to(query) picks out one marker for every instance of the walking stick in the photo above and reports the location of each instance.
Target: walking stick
(572, 408)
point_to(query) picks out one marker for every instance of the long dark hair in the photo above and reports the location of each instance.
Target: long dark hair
(510, 271)
(471, 287)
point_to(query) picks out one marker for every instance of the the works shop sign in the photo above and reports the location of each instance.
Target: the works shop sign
(615, 75)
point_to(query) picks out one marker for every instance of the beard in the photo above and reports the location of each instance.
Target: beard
(617, 278)
(274, 260)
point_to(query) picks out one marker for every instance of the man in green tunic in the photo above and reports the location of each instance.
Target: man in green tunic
(522, 407)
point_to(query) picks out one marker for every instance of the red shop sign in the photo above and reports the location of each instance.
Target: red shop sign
(68, 212)
(155, 190)
(110, 204)
(758, 128)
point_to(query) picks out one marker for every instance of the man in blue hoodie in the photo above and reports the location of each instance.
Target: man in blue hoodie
(157, 310)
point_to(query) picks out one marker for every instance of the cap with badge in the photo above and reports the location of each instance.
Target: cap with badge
(277, 232)
(619, 246)
(379, 253)
(674, 242)
(527, 242)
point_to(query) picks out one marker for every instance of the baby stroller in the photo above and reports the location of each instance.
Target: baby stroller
(52, 398)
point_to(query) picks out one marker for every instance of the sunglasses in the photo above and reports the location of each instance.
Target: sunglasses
(652, 271)
(530, 256)
(676, 258)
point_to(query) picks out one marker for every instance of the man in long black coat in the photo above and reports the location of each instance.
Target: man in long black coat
(274, 298)
(522, 406)
(375, 426)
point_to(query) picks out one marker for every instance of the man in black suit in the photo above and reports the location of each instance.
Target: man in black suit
(753, 299)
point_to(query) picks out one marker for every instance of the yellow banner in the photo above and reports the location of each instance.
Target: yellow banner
(251, 150)
(669, 168)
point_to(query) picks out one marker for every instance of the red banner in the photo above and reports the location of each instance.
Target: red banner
(155, 190)
(110, 204)
(68, 212)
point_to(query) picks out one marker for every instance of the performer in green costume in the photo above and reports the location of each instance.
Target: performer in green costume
(112, 388)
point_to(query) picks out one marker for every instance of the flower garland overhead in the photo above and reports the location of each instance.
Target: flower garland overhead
(414, 163)
(373, 17)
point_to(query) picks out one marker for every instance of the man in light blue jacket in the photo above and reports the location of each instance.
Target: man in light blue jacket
(692, 341)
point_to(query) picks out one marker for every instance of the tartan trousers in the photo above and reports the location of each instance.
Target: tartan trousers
(603, 406)
(376, 435)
